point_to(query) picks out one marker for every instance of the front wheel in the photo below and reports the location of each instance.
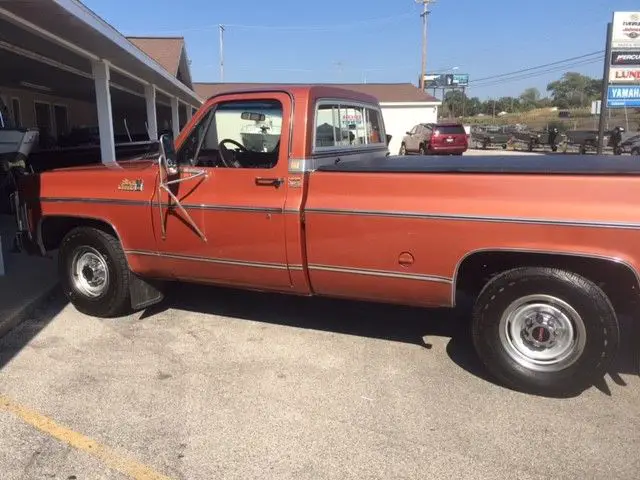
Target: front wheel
(544, 330)
(403, 149)
(94, 273)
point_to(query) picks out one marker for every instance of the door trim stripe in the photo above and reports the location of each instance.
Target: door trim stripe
(188, 206)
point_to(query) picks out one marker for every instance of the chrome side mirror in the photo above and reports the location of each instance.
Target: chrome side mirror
(168, 158)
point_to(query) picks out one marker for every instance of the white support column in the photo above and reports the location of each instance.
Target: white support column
(189, 109)
(175, 117)
(105, 115)
(152, 115)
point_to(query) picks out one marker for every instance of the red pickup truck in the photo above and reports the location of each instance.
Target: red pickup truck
(293, 190)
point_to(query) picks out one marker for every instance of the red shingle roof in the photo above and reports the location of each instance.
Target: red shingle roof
(384, 92)
(164, 50)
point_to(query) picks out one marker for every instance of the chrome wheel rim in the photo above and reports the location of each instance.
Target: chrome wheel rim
(403, 149)
(542, 333)
(89, 272)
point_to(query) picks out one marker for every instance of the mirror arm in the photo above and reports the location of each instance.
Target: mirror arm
(184, 212)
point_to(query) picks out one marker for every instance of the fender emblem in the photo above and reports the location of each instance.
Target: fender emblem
(131, 185)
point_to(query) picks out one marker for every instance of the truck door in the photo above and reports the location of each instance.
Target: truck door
(229, 226)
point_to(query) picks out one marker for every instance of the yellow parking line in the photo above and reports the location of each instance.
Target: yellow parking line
(110, 457)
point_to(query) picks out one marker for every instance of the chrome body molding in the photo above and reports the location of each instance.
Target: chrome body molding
(381, 273)
(295, 267)
(477, 218)
(220, 261)
(587, 255)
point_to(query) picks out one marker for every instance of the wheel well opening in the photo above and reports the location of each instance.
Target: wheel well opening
(618, 280)
(53, 229)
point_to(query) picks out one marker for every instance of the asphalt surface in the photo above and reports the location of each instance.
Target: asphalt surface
(217, 383)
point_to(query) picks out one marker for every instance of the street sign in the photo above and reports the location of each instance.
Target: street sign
(623, 96)
(626, 30)
(596, 107)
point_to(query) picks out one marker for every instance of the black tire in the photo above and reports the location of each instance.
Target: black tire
(403, 149)
(599, 331)
(422, 150)
(114, 298)
(635, 151)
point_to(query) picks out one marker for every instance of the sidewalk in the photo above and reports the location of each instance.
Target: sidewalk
(27, 280)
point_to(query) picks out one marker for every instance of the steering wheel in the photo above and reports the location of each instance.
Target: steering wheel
(222, 151)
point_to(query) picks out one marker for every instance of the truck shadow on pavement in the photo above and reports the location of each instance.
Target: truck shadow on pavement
(380, 321)
(33, 322)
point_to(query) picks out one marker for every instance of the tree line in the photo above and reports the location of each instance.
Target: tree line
(572, 90)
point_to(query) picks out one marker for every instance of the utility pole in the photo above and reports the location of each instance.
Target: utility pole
(424, 15)
(605, 81)
(221, 52)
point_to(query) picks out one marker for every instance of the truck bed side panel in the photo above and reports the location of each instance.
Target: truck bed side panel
(400, 237)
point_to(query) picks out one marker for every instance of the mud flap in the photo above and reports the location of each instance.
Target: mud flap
(144, 293)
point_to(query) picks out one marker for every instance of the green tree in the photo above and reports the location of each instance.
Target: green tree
(574, 90)
(453, 103)
(473, 107)
(529, 98)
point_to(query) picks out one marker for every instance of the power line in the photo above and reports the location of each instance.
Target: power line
(502, 81)
(326, 27)
(566, 60)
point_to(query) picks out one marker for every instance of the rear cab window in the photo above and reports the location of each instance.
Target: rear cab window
(345, 125)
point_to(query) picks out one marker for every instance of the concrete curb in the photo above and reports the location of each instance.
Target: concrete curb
(17, 317)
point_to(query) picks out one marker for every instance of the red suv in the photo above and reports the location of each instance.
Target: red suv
(435, 139)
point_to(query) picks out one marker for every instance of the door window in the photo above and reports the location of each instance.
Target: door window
(236, 134)
(17, 114)
(43, 118)
(62, 119)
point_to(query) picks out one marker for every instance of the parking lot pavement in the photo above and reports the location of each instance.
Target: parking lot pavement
(218, 383)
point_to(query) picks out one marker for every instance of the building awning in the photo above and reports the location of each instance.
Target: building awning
(73, 27)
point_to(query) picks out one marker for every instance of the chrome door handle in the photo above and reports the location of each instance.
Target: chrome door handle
(269, 182)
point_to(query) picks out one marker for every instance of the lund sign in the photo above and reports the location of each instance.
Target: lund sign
(626, 30)
(623, 96)
(624, 75)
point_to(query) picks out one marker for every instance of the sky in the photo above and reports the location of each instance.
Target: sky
(375, 40)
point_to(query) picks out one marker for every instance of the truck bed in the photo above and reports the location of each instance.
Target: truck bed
(507, 164)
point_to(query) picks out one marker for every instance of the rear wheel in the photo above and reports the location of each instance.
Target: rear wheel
(423, 149)
(635, 151)
(545, 330)
(94, 272)
(403, 149)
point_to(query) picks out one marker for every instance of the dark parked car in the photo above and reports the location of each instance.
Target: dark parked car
(435, 139)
